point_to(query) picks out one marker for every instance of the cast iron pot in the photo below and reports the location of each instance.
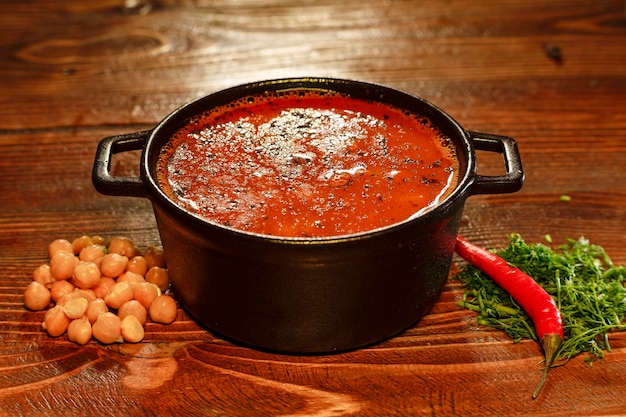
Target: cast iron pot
(308, 295)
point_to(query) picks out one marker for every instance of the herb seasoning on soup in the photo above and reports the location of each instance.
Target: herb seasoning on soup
(307, 164)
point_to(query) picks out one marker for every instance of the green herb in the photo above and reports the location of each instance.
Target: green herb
(588, 289)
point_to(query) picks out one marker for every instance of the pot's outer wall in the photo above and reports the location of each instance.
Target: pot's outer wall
(303, 298)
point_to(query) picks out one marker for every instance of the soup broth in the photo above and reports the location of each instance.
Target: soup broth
(307, 164)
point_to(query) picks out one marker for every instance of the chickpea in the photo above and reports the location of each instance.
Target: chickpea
(43, 276)
(98, 240)
(60, 288)
(163, 309)
(132, 330)
(80, 243)
(36, 296)
(59, 245)
(86, 275)
(77, 293)
(75, 308)
(88, 293)
(131, 278)
(79, 331)
(113, 264)
(154, 257)
(145, 293)
(65, 298)
(107, 328)
(133, 308)
(119, 294)
(55, 321)
(62, 265)
(159, 277)
(95, 308)
(122, 246)
(92, 252)
(103, 287)
(138, 265)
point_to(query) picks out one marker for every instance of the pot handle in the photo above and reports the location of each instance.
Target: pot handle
(103, 181)
(513, 179)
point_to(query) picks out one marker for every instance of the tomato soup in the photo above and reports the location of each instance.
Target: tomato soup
(307, 164)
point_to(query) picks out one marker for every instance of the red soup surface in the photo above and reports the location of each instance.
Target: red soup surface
(307, 164)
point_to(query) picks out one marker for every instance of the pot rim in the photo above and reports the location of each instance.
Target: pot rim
(387, 95)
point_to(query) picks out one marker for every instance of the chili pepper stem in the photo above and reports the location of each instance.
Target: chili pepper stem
(551, 342)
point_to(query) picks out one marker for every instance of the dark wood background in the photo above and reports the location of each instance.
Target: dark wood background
(551, 74)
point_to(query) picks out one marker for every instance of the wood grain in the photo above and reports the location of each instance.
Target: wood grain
(73, 73)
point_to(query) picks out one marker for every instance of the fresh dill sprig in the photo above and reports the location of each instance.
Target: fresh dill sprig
(588, 289)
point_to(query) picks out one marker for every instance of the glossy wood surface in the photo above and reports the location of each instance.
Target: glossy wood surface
(551, 74)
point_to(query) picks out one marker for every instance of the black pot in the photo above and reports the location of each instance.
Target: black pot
(314, 295)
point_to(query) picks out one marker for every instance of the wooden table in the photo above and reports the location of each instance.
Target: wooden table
(551, 74)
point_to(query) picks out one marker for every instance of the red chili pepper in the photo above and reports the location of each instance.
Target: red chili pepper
(535, 301)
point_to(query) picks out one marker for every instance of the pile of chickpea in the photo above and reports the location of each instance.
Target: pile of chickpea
(100, 290)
